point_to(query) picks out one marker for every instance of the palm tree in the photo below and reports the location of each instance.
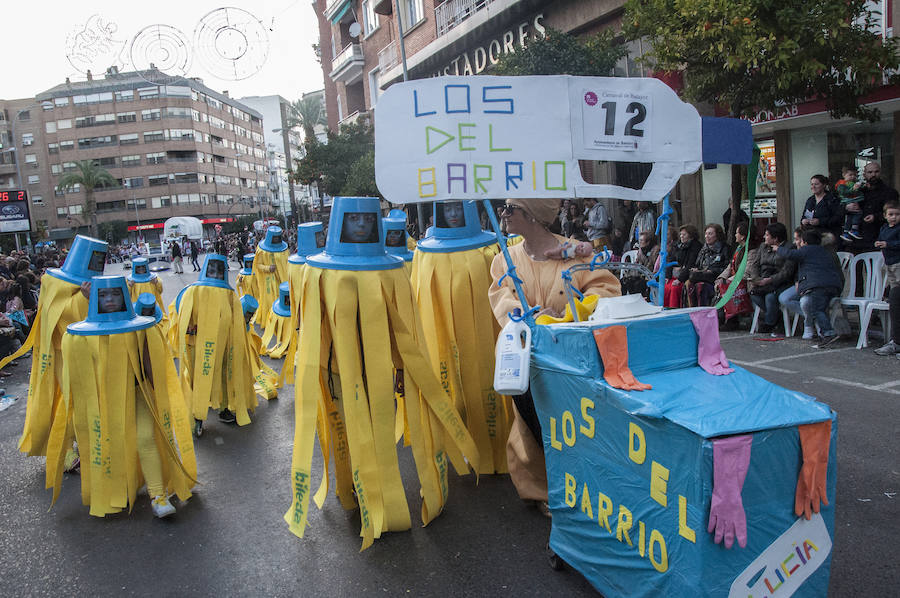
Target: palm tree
(89, 175)
(306, 113)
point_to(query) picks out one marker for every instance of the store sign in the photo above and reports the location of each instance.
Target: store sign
(146, 226)
(499, 137)
(474, 61)
(14, 211)
(217, 220)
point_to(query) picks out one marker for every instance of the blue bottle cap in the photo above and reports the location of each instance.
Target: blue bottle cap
(146, 305)
(354, 238)
(274, 241)
(395, 236)
(140, 270)
(214, 272)
(310, 239)
(109, 310)
(85, 259)
(247, 260)
(456, 228)
(282, 306)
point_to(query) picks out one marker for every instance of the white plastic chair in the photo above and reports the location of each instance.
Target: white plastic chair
(785, 317)
(871, 285)
(628, 257)
(845, 257)
(866, 318)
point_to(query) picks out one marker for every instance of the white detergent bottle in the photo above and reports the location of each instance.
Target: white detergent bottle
(513, 357)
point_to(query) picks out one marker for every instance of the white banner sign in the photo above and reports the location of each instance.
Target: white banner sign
(497, 137)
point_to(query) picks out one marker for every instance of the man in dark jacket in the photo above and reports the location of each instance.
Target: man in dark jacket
(818, 281)
(875, 193)
(770, 274)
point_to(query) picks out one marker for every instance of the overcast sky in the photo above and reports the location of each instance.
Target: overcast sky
(64, 39)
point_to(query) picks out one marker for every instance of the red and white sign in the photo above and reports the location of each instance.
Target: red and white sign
(146, 226)
(217, 220)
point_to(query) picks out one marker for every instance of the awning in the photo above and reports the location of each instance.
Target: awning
(59, 234)
(336, 17)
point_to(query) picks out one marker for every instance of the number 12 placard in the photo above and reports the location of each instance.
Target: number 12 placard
(616, 120)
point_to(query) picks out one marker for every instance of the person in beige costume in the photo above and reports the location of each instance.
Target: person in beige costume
(543, 285)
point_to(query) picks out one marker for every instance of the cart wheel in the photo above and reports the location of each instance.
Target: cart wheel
(556, 563)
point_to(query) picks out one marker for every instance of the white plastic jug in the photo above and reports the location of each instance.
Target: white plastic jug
(513, 357)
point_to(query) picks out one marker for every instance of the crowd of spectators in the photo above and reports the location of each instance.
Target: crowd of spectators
(20, 283)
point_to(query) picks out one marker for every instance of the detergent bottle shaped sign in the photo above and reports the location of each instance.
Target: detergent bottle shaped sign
(513, 357)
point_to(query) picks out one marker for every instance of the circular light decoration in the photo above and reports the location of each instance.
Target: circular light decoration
(92, 46)
(164, 47)
(231, 44)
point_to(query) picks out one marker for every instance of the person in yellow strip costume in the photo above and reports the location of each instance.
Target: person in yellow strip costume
(124, 405)
(359, 326)
(310, 239)
(396, 238)
(244, 282)
(63, 301)
(142, 280)
(544, 286)
(216, 368)
(279, 326)
(269, 271)
(450, 278)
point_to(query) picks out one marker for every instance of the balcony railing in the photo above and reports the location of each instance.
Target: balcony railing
(453, 12)
(388, 57)
(347, 66)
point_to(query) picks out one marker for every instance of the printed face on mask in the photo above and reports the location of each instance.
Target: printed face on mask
(359, 227)
(110, 300)
(215, 269)
(451, 215)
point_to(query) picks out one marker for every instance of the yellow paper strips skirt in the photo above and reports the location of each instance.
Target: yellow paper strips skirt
(244, 285)
(217, 368)
(61, 303)
(267, 382)
(103, 383)
(265, 284)
(295, 280)
(460, 331)
(281, 330)
(364, 326)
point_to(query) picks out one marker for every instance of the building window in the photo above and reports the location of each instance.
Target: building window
(412, 13)
(93, 121)
(131, 161)
(370, 19)
(52, 148)
(160, 202)
(37, 200)
(139, 203)
(102, 141)
(61, 212)
(133, 182)
(65, 123)
(27, 138)
(25, 115)
(126, 95)
(31, 159)
(185, 177)
(150, 114)
(127, 117)
(148, 92)
(61, 102)
(55, 169)
(69, 166)
(374, 90)
(107, 162)
(156, 158)
(50, 126)
(33, 179)
(128, 139)
(66, 145)
(150, 136)
(157, 180)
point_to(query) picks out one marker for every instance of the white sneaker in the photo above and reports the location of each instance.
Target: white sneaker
(891, 348)
(162, 507)
(808, 333)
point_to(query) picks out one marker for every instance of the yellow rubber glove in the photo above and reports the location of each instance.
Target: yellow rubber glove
(584, 308)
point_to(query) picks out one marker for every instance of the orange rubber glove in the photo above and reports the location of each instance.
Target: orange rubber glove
(811, 483)
(612, 342)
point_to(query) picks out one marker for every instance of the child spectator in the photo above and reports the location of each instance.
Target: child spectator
(889, 244)
(633, 283)
(849, 190)
(818, 281)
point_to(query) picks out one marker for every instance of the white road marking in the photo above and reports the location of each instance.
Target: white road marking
(763, 367)
(770, 360)
(858, 385)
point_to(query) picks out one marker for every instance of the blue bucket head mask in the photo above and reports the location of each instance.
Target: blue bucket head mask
(249, 305)
(110, 310)
(274, 241)
(247, 262)
(214, 272)
(140, 270)
(146, 305)
(354, 238)
(310, 240)
(282, 306)
(395, 236)
(85, 259)
(457, 227)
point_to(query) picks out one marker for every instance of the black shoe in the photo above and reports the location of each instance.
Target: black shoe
(829, 341)
(198, 428)
(227, 416)
(764, 328)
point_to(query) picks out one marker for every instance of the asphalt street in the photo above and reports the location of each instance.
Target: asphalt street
(230, 538)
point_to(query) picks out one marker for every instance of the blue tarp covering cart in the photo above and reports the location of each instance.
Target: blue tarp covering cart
(630, 473)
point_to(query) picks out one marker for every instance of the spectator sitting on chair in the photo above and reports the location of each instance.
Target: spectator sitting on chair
(711, 260)
(739, 304)
(685, 254)
(770, 275)
(634, 283)
(818, 281)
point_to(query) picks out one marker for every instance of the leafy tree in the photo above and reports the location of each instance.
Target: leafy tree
(113, 231)
(89, 175)
(306, 113)
(361, 177)
(559, 53)
(330, 164)
(748, 55)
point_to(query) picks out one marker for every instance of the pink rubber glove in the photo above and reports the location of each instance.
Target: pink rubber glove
(731, 458)
(710, 355)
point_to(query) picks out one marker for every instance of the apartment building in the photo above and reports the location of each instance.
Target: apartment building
(175, 147)
(466, 37)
